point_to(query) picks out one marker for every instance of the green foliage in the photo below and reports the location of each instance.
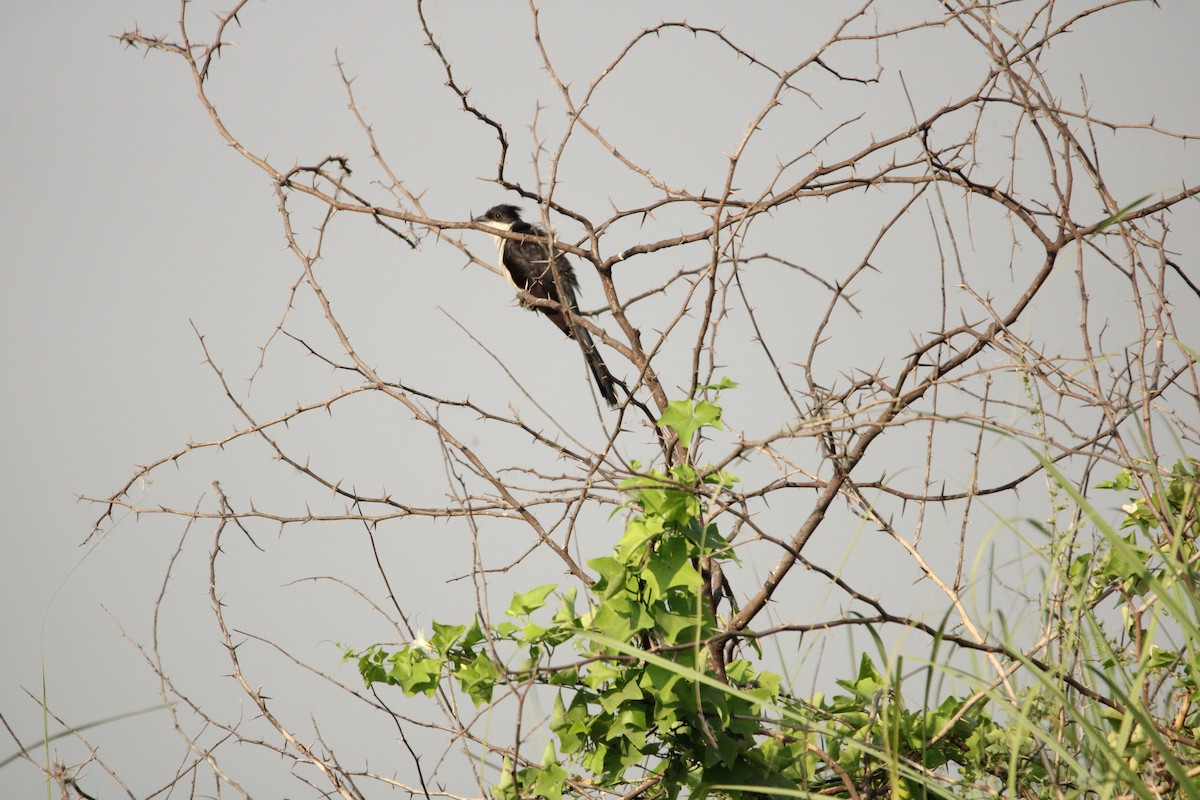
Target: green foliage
(643, 690)
(1146, 570)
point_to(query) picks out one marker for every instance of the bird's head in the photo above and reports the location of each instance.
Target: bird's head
(502, 217)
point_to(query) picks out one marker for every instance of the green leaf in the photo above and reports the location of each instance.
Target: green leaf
(573, 725)
(622, 617)
(504, 788)
(444, 636)
(534, 632)
(663, 686)
(708, 540)
(370, 665)
(638, 532)
(613, 699)
(1120, 483)
(549, 779)
(685, 417)
(414, 671)
(566, 614)
(721, 478)
(684, 474)
(630, 724)
(724, 383)
(473, 637)
(670, 568)
(612, 576)
(526, 603)
(478, 679)
(600, 673)
(563, 677)
(677, 628)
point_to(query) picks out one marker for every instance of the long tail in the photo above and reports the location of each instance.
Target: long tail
(605, 382)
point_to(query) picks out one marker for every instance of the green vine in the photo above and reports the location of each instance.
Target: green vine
(641, 700)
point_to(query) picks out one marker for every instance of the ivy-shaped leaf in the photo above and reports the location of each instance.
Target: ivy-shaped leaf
(444, 636)
(671, 568)
(685, 417)
(478, 679)
(525, 603)
(414, 671)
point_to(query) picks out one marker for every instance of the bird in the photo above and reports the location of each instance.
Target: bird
(527, 266)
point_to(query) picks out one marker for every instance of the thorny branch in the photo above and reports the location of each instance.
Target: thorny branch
(926, 414)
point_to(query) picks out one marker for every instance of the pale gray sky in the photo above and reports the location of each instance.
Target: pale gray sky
(126, 220)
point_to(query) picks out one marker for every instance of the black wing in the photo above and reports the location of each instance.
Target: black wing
(528, 264)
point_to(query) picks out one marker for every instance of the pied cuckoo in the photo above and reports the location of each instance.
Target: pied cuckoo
(527, 266)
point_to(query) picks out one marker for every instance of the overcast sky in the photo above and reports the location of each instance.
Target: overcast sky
(127, 226)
